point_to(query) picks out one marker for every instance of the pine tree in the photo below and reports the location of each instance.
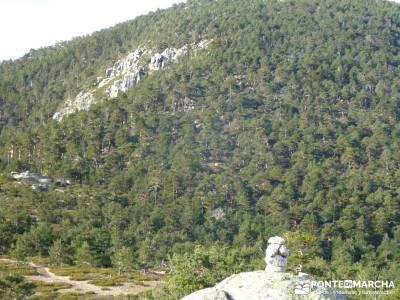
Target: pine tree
(123, 260)
(57, 253)
(83, 254)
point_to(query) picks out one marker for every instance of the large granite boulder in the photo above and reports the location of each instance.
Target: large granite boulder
(271, 284)
(208, 294)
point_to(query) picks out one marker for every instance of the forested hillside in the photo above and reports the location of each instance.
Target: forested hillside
(293, 130)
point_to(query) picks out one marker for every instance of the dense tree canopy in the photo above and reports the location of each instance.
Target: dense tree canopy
(295, 131)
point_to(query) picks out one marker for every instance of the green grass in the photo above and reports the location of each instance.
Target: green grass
(43, 291)
(141, 277)
(72, 296)
(105, 282)
(16, 268)
(103, 276)
(46, 288)
(80, 273)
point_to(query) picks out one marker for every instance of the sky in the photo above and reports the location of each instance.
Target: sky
(32, 24)
(27, 24)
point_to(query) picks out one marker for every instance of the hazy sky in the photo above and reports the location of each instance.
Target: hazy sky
(27, 24)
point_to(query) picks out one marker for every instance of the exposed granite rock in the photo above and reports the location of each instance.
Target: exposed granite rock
(262, 285)
(125, 74)
(218, 214)
(128, 63)
(207, 294)
(276, 255)
(37, 181)
(160, 60)
(82, 101)
(127, 82)
(62, 182)
(271, 284)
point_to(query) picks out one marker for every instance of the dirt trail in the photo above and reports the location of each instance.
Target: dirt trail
(45, 275)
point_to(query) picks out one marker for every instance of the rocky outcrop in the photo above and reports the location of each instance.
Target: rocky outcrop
(37, 181)
(125, 74)
(261, 285)
(208, 294)
(127, 82)
(160, 60)
(271, 284)
(218, 214)
(82, 101)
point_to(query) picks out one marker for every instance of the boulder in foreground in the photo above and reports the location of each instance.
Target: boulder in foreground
(271, 284)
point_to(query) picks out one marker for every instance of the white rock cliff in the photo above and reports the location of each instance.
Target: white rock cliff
(125, 74)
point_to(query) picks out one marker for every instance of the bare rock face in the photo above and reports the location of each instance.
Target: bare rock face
(36, 180)
(127, 82)
(125, 74)
(82, 101)
(160, 60)
(271, 284)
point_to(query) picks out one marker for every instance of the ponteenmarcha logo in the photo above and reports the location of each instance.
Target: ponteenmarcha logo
(305, 287)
